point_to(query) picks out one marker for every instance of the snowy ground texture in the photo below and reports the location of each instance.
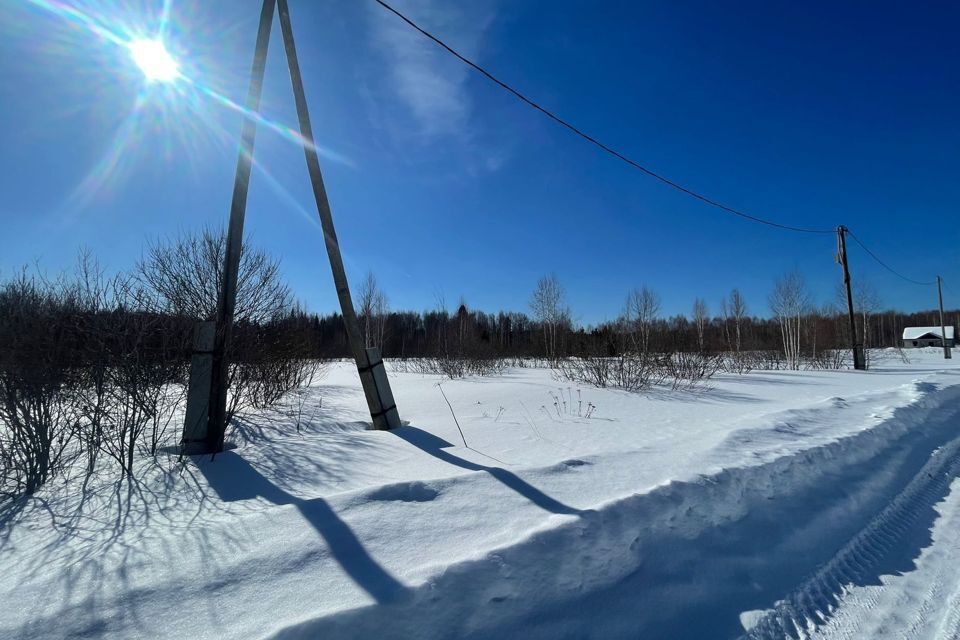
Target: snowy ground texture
(790, 504)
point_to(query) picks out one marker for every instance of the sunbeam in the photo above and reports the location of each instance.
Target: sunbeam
(94, 25)
(285, 196)
(174, 102)
(107, 167)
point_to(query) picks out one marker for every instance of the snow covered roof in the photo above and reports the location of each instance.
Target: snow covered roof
(912, 333)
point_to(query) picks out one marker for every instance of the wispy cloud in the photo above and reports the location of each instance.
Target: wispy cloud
(431, 84)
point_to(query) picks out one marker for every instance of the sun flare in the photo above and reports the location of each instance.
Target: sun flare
(154, 60)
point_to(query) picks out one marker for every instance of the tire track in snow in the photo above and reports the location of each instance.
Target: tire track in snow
(951, 625)
(814, 602)
(922, 604)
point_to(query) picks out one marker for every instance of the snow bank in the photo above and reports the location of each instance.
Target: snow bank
(667, 514)
(559, 581)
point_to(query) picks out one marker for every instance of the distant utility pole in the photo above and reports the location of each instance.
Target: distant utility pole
(859, 359)
(373, 377)
(943, 330)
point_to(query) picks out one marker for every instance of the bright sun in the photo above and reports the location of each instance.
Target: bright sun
(154, 60)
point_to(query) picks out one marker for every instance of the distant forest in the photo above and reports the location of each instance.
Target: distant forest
(412, 334)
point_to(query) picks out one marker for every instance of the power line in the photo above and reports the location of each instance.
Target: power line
(884, 264)
(624, 158)
(591, 139)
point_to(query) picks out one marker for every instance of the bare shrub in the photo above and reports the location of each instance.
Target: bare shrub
(631, 364)
(634, 372)
(185, 276)
(270, 354)
(266, 383)
(164, 407)
(828, 359)
(686, 370)
(451, 366)
(37, 417)
(599, 372)
(630, 372)
(93, 368)
(268, 362)
(764, 359)
(901, 355)
(773, 360)
(144, 387)
(309, 372)
(133, 366)
(737, 362)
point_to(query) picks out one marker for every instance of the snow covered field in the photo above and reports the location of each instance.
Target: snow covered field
(770, 503)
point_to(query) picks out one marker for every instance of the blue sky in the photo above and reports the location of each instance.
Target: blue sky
(812, 114)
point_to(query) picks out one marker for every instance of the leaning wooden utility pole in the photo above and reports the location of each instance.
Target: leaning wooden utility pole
(859, 361)
(227, 296)
(373, 377)
(943, 330)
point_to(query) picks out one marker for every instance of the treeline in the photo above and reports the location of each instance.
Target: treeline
(412, 334)
(436, 332)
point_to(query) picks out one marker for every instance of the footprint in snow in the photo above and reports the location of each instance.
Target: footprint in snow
(405, 492)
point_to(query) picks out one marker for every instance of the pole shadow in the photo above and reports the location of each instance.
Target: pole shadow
(435, 446)
(235, 479)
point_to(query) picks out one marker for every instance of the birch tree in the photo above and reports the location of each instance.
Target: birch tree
(700, 317)
(738, 311)
(548, 308)
(640, 314)
(789, 302)
(866, 300)
(372, 307)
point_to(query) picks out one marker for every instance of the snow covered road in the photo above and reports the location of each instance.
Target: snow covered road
(920, 603)
(773, 504)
